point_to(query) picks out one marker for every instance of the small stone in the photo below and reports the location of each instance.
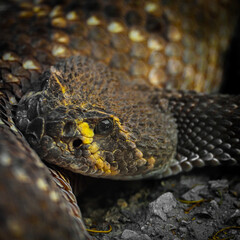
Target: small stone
(190, 182)
(128, 233)
(219, 184)
(183, 229)
(163, 205)
(235, 215)
(214, 204)
(201, 230)
(132, 235)
(194, 193)
(170, 227)
(184, 222)
(145, 237)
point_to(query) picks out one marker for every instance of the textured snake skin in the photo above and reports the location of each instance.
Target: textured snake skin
(81, 88)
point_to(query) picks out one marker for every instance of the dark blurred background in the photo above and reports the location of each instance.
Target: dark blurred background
(231, 77)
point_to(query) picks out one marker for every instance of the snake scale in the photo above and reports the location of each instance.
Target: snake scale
(88, 87)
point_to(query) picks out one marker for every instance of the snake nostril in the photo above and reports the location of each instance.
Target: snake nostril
(77, 143)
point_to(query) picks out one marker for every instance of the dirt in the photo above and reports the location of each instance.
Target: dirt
(155, 209)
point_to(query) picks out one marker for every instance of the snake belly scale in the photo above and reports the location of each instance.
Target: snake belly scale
(100, 88)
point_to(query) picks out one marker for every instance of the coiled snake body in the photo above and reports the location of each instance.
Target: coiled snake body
(82, 84)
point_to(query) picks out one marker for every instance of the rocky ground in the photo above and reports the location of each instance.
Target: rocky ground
(160, 209)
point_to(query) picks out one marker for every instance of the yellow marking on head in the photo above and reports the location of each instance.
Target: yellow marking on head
(115, 118)
(141, 162)
(83, 105)
(113, 171)
(108, 172)
(86, 140)
(103, 165)
(151, 161)
(85, 130)
(124, 134)
(131, 144)
(106, 167)
(138, 153)
(63, 89)
(97, 155)
(93, 148)
(99, 163)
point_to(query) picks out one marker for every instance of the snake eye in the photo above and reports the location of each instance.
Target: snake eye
(104, 127)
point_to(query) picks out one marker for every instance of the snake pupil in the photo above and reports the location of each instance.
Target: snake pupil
(104, 127)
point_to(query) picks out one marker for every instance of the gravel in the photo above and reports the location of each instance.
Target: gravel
(154, 209)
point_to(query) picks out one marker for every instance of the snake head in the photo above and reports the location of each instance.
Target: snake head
(85, 120)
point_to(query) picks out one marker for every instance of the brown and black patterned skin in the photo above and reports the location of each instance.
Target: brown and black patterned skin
(84, 82)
